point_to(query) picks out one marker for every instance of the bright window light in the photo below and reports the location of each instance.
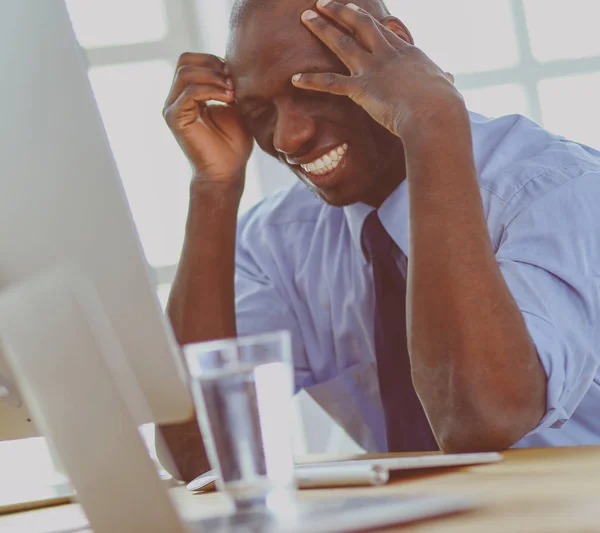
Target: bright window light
(214, 17)
(26, 461)
(461, 35)
(563, 30)
(253, 192)
(162, 292)
(116, 22)
(569, 107)
(498, 100)
(154, 171)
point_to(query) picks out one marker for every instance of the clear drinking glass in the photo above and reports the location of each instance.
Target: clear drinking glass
(243, 390)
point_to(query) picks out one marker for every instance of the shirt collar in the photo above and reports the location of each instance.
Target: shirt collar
(356, 215)
(393, 214)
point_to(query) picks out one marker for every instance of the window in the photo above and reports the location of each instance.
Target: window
(114, 22)
(448, 32)
(561, 31)
(568, 109)
(132, 47)
(539, 58)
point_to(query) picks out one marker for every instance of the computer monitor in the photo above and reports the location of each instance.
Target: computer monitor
(86, 354)
(62, 200)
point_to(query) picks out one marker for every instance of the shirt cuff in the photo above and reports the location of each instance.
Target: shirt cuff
(551, 354)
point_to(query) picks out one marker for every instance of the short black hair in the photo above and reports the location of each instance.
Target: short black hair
(241, 8)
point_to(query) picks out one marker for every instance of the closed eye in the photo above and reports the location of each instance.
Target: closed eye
(258, 113)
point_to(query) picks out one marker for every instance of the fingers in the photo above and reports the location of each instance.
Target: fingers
(201, 60)
(187, 75)
(393, 39)
(357, 21)
(185, 108)
(344, 46)
(328, 83)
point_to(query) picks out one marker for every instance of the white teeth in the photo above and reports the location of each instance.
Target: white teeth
(326, 162)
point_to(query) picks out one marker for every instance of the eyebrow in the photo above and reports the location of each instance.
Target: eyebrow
(319, 64)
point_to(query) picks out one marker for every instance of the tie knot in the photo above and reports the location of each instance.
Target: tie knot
(376, 241)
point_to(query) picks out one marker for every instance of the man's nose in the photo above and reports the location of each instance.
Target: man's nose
(294, 128)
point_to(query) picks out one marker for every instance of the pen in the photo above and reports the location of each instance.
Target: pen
(312, 476)
(315, 476)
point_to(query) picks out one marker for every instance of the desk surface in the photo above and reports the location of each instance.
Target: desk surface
(537, 490)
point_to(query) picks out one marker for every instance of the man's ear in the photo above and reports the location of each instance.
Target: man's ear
(397, 26)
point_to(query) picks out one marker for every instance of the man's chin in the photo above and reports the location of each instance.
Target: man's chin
(334, 198)
(337, 196)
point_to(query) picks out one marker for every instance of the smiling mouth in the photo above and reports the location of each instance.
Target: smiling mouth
(327, 162)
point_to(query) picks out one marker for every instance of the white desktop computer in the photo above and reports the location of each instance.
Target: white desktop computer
(62, 201)
(76, 304)
(86, 355)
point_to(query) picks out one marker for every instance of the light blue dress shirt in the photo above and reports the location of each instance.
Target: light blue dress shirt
(300, 267)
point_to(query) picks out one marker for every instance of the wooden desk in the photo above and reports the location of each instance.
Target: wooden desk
(538, 490)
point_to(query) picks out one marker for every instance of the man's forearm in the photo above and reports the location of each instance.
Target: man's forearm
(474, 364)
(201, 304)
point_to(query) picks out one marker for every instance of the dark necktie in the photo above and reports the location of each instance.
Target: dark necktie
(407, 427)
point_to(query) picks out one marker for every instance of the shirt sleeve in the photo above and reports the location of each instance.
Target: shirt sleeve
(550, 258)
(261, 306)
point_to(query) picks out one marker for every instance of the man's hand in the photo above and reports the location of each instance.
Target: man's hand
(214, 138)
(395, 82)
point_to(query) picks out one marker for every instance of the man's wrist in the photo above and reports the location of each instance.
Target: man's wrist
(446, 121)
(216, 194)
(212, 214)
(441, 149)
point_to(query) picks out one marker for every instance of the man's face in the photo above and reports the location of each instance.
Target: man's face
(328, 141)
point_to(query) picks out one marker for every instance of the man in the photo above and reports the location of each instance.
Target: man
(423, 241)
